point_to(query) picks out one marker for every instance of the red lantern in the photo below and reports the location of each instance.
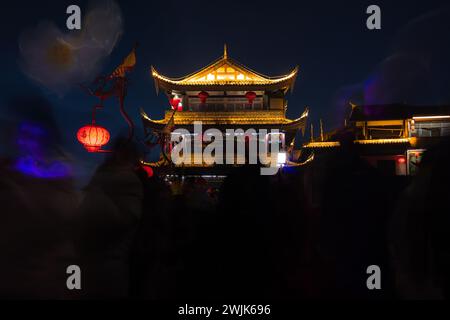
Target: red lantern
(401, 160)
(148, 170)
(203, 96)
(174, 103)
(250, 96)
(93, 137)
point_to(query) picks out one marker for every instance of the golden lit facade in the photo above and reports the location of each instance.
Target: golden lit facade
(226, 95)
(392, 138)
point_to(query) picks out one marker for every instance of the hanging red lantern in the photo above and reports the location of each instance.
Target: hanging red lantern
(148, 170)
(203, 96)
(174, 103)
(250, 96)
(93, 137)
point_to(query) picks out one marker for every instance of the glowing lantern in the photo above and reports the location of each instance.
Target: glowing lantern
(175, 103)
(203, 96)
(401, 160)
(250, 96)
(93, 137)
(148, 170)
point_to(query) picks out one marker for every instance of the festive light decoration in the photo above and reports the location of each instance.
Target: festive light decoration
(224, 71)
(203, 96)
(237, 117)
(385, 141)
(401, 160)
(431, 117)
(175, 103)
(216, 78)
(330, 144)
(148, 170)
(324, 144)
(93, 137)
(250, 96)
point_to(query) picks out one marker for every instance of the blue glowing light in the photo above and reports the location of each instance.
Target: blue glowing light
(53, 170)
(32, 140)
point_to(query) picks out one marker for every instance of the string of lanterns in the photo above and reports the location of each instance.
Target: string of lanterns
(203, 96)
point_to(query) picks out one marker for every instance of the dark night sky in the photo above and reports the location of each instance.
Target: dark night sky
(339, 58)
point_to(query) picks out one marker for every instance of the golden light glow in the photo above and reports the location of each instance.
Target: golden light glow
(385, 141)
(218, 118)
(144, 115)
(375, 123)
(330, 144)
(304, 115)
(431, 117)
(324, 144)
(265, 117)
(225, 72)
(299, 164)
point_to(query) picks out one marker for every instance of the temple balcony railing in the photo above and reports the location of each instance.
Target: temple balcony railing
(237, 117)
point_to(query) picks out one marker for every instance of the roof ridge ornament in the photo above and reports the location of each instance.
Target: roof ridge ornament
(225, 52)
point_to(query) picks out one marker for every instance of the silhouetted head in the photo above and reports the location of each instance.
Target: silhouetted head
(125, 152)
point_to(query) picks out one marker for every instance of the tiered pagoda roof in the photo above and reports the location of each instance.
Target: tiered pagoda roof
(224, 74)
(256, 117)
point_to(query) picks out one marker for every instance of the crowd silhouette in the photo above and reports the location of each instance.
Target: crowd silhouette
(308, 232)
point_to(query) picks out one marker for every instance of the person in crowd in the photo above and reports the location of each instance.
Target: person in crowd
(418, 233)
(109, 217)
(38, 201)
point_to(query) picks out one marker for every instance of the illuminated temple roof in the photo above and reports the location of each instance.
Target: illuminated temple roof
(222, 74)
(242, 118)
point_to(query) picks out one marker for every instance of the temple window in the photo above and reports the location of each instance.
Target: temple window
(431, 129)
(224, 103)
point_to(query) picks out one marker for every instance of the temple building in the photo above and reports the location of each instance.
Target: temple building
(223, 95)
(392, 138)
